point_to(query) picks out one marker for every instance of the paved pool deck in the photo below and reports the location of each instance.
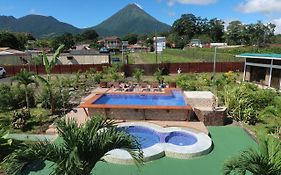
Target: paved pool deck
(227, 141)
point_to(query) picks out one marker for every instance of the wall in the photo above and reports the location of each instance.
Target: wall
(82, 59)
(143, 114)
(149, 69)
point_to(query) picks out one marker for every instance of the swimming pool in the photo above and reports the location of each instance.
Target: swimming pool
(168, 105)
(175, 98)
(148, 137)
(157, 142)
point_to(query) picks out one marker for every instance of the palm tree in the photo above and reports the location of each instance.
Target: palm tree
(48, 67)
(83, 146)
(25, 78)
(266, 160)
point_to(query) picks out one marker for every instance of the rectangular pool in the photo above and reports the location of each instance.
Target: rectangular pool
(168, 105)
(175, 98)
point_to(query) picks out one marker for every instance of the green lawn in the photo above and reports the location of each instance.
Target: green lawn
(228, 141)
(177, 56)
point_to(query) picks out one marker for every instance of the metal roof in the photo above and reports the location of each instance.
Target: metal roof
(260, 56)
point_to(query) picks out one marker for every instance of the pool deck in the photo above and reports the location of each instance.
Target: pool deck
(80, 115)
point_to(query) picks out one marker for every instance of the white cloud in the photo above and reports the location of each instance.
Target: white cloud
(196, 2)
(138, 5)
(34, 12)
(277, 22)
(171, 14)
(264, 6)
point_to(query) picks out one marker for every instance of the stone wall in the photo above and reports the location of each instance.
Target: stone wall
(211, 117)
(143, 114)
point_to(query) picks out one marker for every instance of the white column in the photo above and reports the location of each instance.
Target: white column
(270, 73)
(245, 66)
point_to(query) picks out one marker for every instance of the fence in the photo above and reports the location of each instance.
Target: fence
(149, 69)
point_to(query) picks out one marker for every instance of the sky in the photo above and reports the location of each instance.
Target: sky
(88, 13)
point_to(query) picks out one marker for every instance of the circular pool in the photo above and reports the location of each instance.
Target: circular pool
(181, 139)
(157, 142)
(145, 136)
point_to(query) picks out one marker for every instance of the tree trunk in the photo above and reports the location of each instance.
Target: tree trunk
(52, 101)
(26, 99)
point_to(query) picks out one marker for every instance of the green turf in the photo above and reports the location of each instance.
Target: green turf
(227, 141)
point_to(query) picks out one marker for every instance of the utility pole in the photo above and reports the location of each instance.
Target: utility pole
(156, 48)
(214, 71)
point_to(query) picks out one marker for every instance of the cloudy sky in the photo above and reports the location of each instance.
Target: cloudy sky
(86, 13)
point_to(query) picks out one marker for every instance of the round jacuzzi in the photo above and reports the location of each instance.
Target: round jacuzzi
(181, 139)
(157, 142)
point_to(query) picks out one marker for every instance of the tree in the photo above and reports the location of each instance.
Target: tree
(216, 30)
(25, 78)
(266, 160)
(88, 35)
(66, 39)
(48, 67)
(8, 39)
(260, 34)
(83, 146)
(186, 25)
(131, 38)
(235, 33)
(138, 73)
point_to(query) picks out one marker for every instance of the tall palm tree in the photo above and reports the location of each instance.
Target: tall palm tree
(266, 160)
(83, 146)
(25, 78)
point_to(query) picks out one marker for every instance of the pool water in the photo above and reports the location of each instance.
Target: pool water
(181, 139)
(148, 137)
(174, 99)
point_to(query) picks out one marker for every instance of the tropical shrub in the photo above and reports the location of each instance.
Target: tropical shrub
(265, 160)
(83, 146)
(158, 75)
(13, 97)
(60, 97)
(20, 118)
(98, 76)
(245, 101)
(137, 74)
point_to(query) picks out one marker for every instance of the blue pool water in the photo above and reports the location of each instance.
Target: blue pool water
(148, 137)
(180, 138)
(174, 99)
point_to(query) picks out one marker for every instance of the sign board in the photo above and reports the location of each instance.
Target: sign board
(161, 43)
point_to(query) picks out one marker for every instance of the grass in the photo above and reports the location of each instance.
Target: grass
(266, 125)
(177, 55)
(228, 141)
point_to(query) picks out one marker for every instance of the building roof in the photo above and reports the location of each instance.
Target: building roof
(260, 56)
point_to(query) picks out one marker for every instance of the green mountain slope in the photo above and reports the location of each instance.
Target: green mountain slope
(37, 25)
(130, 19)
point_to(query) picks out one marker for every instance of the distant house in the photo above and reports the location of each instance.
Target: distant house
(13, 57)
(82, 57)
(137, 48)
(263, 69)
(111, 43)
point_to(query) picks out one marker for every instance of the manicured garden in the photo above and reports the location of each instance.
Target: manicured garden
(228, 141)
(32, 102)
